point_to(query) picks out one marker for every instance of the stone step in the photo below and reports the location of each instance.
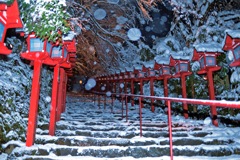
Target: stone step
(136, 141)
(130, 133)
(136, 152)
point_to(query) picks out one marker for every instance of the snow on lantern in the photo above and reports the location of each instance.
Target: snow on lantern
(232, 45)
(9, 18)
(206, 54)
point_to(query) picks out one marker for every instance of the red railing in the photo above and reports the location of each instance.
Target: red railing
(218, 103)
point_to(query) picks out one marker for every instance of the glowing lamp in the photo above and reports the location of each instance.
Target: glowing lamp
(151, 73)
(206, 54)
(164, 70)
(132, 75)
(36, 48)
(141, 74)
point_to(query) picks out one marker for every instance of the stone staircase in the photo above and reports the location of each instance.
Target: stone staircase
(87, 132)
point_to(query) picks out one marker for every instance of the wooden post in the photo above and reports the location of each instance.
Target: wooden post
(34, 99)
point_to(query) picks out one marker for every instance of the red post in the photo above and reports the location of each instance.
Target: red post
(99, 99)
(125, 87)
(152, 94)
(140, 115)
(60, 94)
(126, 109)
(53, 112)
(122, 106)
(184, 95)
(104, 101)
(64, 91)
(132, 91)
(170, 129)
(33, 110)
(141, 89)
(165, 85)
(212, 97)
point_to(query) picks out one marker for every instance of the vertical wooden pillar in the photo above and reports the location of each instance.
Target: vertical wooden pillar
(60, 94)
(152, 93)
(165, 84)
(212, 97)
(132, 91)
(64, 91)
(54, 109)
(141, 90)
(184, 95)
(34, 99)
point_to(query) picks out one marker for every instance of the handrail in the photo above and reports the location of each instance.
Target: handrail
(217, 103)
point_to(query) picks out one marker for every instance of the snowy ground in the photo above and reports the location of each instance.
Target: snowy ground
(87, 132)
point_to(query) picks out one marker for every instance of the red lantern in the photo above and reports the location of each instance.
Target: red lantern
(206, 54)
(232, 45)
(9, 18)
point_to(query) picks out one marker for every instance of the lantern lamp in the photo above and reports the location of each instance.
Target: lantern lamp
(181, 64)
(132, 75)
(59, 52)
(36, 48)
(236, 53)
(151, 73)
(141, 74)
(206, 54)
(164, 70)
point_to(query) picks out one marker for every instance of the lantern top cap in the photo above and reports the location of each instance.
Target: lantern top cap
(179, 56)
(137, 67)
(3, 1)
(209, 47)
(149, 64)
(128, 69)
(232, 33)
(69, 36)
(162, 60)
(122, 70)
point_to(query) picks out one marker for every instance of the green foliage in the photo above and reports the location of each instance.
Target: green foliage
(146, 55)
(46, 19)
(9, 2)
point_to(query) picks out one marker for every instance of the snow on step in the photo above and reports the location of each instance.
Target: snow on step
(86, 132)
